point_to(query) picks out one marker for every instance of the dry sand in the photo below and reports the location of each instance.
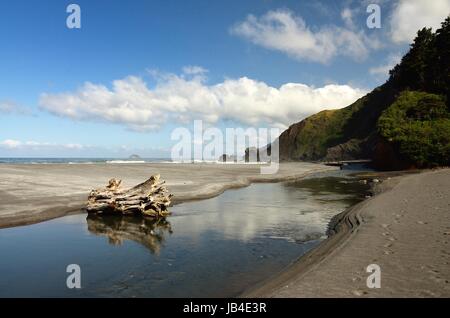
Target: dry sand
(38, 192)
(405, 230)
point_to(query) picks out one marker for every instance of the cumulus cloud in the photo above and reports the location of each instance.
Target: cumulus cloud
(283, 31)
(409, 16)
(382, 71)
(175, 98)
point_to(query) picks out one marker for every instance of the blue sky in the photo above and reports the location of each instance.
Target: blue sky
(229, 63)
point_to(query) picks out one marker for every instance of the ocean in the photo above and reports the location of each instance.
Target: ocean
(108, 161)
(82, 160)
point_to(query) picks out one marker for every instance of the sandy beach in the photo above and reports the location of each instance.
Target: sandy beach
(405, 229)
(32, 193)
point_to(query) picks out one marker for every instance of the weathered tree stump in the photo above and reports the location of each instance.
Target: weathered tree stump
(149, 198)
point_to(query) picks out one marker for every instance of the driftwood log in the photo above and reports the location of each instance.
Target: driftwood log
(149, 198)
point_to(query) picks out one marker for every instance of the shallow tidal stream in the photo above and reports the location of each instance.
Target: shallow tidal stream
(211, 248)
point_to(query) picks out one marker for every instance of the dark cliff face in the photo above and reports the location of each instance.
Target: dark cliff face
(385, 157)
(288, 141)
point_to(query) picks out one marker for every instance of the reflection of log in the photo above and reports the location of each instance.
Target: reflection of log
(149, 198)
(149, 232)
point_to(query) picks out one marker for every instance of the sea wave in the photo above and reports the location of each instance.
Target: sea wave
(82, 162)
(93, 161)
(214, 162)
(125, 161)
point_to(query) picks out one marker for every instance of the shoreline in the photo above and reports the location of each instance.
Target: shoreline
(354, 228)
(341, 228)
(235, 176)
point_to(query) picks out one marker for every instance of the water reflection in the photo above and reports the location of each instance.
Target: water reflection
(146, 231)
(293, 211)
(340, 189)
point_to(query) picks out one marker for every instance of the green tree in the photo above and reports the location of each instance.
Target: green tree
(412, 72)
(441, 65)
(417, 124)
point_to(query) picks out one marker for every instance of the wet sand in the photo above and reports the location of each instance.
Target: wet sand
(405, 229)
(31, 193)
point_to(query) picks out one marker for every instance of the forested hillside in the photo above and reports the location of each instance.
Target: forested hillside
(403, 123)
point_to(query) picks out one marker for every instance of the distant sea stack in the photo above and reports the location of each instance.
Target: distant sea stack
(134, 157)
(404, 123)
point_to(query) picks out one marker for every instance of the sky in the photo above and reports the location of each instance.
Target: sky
(137, 70)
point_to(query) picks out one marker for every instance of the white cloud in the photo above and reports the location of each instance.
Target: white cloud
(17, 144)
(31, 148)
(281, 30)
(347, 17)
(382, 71)
(11, 107)
(74, 146)
(10, 143)
(194, 70)
(409, 16)
(178, 99)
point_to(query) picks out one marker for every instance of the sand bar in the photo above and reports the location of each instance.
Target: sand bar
(32, 193)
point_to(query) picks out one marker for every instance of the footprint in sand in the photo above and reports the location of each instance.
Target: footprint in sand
(390, 237)
(438, 279)
(359, 293)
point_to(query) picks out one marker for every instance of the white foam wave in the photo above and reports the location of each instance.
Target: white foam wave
(124, 161)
